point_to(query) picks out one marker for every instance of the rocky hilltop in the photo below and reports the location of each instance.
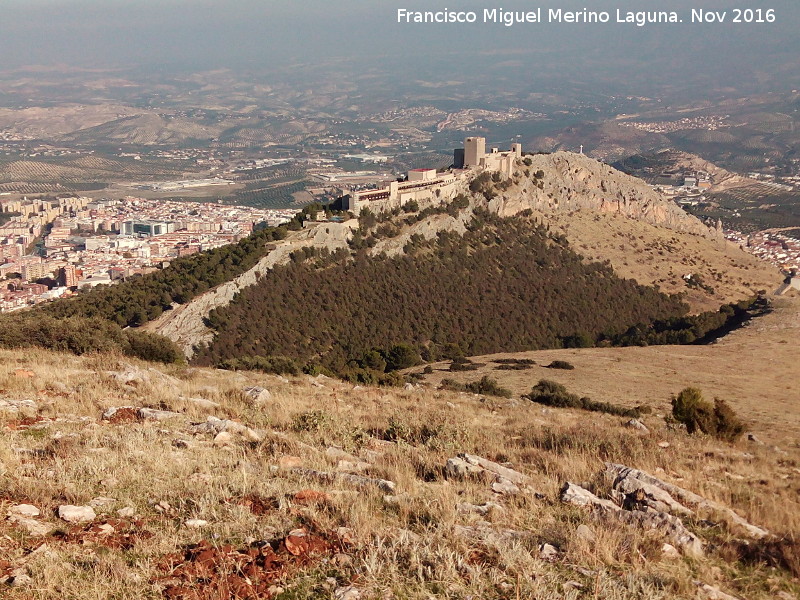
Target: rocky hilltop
(604, 213)
(571, 182)
(607, 215)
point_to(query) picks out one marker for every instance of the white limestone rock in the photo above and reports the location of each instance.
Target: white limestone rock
(76, 514)
(257, 394)
(24, 510)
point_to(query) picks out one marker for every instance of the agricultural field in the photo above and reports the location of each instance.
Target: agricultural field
(753, 208)
(269, 196)
(269, 187)
(429, 160)
(84, 173)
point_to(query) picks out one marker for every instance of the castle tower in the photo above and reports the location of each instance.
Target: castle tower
(474, 151)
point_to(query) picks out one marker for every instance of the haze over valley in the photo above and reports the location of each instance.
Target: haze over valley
(324, 301)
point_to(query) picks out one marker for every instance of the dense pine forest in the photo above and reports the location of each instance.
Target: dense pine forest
(506, 285)
(143, 298)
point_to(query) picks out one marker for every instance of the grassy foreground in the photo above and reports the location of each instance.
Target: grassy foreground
(271, 524)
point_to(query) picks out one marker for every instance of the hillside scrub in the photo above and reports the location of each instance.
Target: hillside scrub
(463, 364)
(485, 385)
(551, 393)
(390, 224)
(503, 286)
(699, 415)
(513, 364)
(691, 329)
(561, 364)
(80, 335)
(277, 365)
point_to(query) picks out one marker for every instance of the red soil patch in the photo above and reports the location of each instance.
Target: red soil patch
(119, 534)
(24, 423)
(11, 499)
(124, 415)
(258, 505)
(482, 556)
(311, 497)
(207, 572)
(5, 568)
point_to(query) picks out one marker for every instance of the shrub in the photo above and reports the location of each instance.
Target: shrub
(314, 369)
(560, 364)
(452, 351)
(512, 367)
(401, 356)
(551, 393)
(690, 408)
(82, 335)
(391, 379)
(514, 361)
(486, 385)
(782, 552)
(463, 364)
(432, 434)
(78, 335)
(152, 347)
(397, 431)
(278, 365)
(373, 360)
(729, 426)
(581, 339)
(411, 206)
(310, 421)
(513, 364)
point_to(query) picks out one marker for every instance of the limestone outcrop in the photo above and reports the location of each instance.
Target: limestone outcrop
(571, 182)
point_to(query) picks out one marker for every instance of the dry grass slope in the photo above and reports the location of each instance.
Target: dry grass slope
(754, 368)
(658, 256)
(420, 541)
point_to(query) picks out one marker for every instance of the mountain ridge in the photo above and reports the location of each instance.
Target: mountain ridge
(573, 182)
(573, 188)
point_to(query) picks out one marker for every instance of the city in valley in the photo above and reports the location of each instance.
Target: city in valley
(56, 246)
(63, 245)
(392, 301)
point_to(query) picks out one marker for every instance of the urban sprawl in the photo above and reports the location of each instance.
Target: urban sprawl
(55, 247)
(52, 248)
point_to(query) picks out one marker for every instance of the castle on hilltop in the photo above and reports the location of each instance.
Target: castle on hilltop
(474, 155)
(428, 186)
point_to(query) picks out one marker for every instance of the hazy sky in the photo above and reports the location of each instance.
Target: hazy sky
(245, 32)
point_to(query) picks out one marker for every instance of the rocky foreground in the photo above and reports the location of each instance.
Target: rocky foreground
(120, 479)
